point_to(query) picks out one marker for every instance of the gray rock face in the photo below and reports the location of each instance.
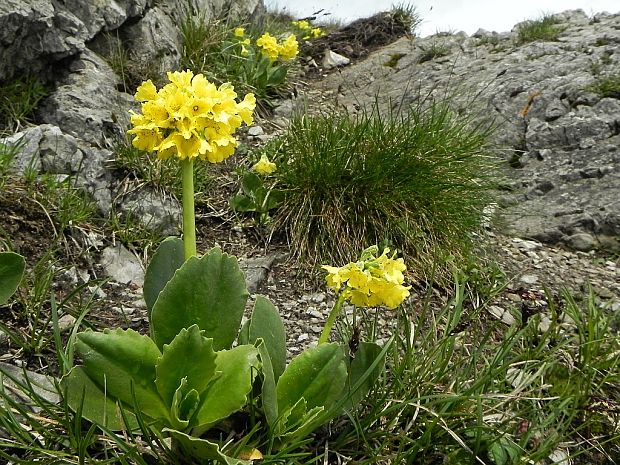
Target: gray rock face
(86, 103)
(37, 33)
(86, 114)
(561, 136)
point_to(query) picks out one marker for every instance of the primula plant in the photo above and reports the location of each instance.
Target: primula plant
(257, 194)
(199, 366)
(306, 30)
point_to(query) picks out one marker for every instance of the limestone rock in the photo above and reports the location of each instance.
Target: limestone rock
(548, 114)
(334, 60)
(86, 103)
(122, 266)
(153, 208)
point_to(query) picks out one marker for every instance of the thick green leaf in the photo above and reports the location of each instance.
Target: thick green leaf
(362, 376)
(250, 183)
(277, 76)
(122, 362)
(202, 449)
(189, 356)
(228, 393)
(274, 200)
(167, 259)
(299, 427)
(268, 392)
(184, 403)
(209, 292)
(317, 375)
(82, 393)
(241, 203)
(12, 268)
(267, 325)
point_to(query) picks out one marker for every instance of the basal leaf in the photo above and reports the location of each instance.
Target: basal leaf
(121, 363)
(189, 356)
(209, 292)
(82, 393)
(228, 393)
(267, 325)
(317, 375)
(12, 268)
(167, 259)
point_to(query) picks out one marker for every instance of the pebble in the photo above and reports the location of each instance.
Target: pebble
(529, 279)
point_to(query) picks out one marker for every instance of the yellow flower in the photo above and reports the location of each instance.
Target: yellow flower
(372, 281)
(239, 32)
(289, 48)
(244, 51)
(264, 166)
(189, 117)
(269, 46)
(303, 24)
(317, 32)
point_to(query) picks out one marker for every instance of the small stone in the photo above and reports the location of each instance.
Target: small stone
(545, 324)
(121, 265)
(334, 60)
(315, 314)
(529, 279)
(502, 314)
(66, 322)
(303, 337)
(513, 297)
(255, 131)
(580, 241)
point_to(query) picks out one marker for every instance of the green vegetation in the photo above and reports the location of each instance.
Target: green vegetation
(461, 389)
(607, 85)
(546, 28)
(438, 381)
(18, 100)
(435, 50)
(224, 51)
(417, 181)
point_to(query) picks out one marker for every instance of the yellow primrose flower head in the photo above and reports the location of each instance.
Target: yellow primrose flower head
(269, 46)
(239, 32)
(317, 32)
(303, 24)
(264, 166)
(289, 48)
(372, 281)
(189, 117)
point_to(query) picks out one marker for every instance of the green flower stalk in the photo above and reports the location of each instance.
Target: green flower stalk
(189, 218)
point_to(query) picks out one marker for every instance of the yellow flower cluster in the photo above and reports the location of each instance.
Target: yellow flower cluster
(189, 117)
(288, 49)
(264, 166)
(308, 31)
(372, 281)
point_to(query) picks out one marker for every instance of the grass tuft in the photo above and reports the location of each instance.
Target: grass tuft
(18, 101)
(546, 29)
(419, 182)
(607, 86)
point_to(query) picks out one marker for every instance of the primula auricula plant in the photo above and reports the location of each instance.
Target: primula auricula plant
(307, 31)
(199, 366)
(266, 60)
(189, 118)
(258, 193)
(370, 282)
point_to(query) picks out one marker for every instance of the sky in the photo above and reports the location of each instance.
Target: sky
(450, 15)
